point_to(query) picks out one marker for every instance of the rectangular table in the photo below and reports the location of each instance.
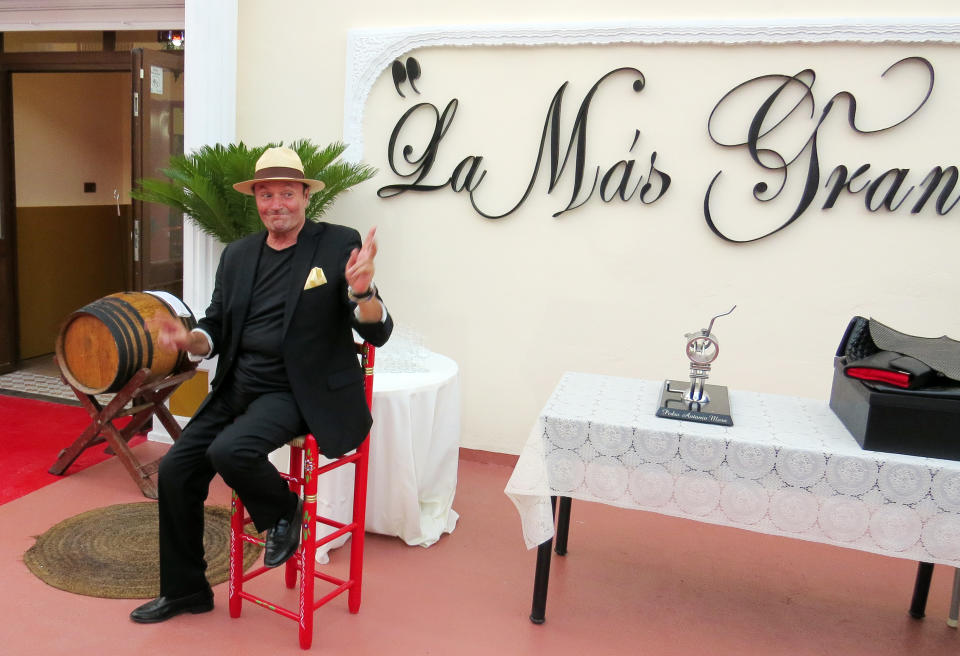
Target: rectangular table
(786, 467)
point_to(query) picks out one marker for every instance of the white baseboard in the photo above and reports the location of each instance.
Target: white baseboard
(159, 433)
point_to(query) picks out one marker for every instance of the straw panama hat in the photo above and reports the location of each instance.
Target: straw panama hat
(279, 164)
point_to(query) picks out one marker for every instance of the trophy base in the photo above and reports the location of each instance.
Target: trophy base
(715, 411)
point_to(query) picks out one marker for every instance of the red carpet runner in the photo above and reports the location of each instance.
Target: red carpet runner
(32, 434)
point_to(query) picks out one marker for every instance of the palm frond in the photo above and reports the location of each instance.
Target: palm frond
(200, 184)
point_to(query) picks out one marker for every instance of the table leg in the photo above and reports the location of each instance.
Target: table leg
(540, 580)
(955, 600)
(541, 575)
(563, 526)
(921, 588)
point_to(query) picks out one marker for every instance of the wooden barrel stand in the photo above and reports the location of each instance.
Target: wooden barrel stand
(108, 347)
(150, 397)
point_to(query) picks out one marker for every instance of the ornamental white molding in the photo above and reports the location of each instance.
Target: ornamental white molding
(372, 50)
(52, 15)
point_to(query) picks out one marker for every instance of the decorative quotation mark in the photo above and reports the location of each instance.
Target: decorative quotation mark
(401, 74)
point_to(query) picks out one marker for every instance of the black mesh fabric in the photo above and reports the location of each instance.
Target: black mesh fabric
(940, 353)
(857, 342)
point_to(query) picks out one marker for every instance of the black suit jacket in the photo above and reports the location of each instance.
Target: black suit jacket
(318, 348)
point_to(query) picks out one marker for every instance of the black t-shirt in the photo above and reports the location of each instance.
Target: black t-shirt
(259, 367)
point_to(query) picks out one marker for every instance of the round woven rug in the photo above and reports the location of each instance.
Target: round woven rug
(113, 552)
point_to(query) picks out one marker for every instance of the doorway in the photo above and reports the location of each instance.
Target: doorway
(72, 178)
(80, 128)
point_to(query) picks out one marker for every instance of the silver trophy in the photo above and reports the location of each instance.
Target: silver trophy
(695, 400)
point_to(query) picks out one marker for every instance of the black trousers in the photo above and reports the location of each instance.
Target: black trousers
(233, 437)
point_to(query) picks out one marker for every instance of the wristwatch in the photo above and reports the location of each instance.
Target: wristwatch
(360, 298)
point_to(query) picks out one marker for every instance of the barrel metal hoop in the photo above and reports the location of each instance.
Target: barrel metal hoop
(131, 345)
(136, 315)
(120, 336)
(120, 313)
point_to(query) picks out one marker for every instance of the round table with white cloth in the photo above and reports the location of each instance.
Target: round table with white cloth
(414, 452)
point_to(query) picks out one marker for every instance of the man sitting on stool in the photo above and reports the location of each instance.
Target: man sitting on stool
(281, 317)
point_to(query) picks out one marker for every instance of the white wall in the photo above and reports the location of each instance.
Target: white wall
(71, 128)
(611, 288)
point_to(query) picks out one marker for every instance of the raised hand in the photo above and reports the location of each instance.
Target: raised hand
(359, 270)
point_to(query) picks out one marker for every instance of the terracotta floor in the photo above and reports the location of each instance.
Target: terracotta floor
(633, 583)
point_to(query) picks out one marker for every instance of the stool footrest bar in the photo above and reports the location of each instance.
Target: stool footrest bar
(254, 573)
(333, 536)
(253, 539)
(270, 606)
(331, 579)
(346, 460)
(317, 604)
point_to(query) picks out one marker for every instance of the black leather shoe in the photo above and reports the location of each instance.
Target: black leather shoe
(163, 608)
(283, 539)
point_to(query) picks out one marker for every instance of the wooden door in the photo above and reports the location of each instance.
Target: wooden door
(9, 337)
(157, 135)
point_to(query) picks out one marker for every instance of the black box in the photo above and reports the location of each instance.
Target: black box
(896, 423)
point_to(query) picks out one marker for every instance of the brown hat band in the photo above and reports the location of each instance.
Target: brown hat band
(278, 172)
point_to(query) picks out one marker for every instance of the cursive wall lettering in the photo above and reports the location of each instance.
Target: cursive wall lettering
(617, 180)
(885, 191)
(567, 158)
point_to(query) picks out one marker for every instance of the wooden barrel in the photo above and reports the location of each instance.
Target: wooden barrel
(102, 345)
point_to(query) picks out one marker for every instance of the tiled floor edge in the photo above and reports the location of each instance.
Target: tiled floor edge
(38, 397)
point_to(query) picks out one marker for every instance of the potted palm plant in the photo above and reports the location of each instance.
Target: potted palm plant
(201, 185)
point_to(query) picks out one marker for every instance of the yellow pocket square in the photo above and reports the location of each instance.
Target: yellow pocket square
(315, 279)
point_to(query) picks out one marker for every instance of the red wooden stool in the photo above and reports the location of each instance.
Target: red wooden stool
(304, 470)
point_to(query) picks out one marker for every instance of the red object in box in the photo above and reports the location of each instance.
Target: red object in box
(896, 422)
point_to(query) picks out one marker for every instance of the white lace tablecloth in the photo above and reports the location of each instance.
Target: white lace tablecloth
(787, 467)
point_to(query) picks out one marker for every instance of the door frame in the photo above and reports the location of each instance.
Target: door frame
(10, 63)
